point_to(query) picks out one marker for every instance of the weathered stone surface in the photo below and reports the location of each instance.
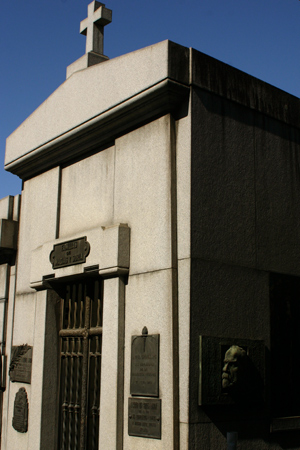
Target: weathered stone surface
(20, 417)
(278, 196)
(6, 207)
(82, 206)
(223, 181)
(184, 291)
(111, 411)
(233, 302)
(149, 303)
(237, 86)
(39, 221)
(98, 89)
(8, 234)
(183, 179)
(142, 193)
(4, 274)
(109, 253)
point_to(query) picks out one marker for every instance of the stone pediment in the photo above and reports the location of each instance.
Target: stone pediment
(96, 104)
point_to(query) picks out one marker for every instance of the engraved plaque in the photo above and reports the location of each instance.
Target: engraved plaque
(144, 418)
(20, 418)
(69, 253)
(144, 378)
(20, 365)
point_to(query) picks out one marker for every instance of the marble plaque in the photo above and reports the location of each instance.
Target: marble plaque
(20, 365)
(144, 418)
(144, 379)
(20, 417)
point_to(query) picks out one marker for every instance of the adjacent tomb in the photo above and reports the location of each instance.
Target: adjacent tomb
(153, 271)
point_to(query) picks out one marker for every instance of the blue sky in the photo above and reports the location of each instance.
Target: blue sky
(39, 39)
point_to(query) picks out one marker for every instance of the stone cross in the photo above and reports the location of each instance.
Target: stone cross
(93, 26)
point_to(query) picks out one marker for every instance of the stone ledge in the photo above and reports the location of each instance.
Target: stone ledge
(91, 92)
(156, 101)
(226, 81)
(109, 257)
(285, 424)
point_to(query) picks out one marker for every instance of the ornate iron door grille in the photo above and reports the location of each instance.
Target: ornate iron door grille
(81, 341)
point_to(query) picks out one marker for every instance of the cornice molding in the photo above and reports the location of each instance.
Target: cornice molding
(162, 98)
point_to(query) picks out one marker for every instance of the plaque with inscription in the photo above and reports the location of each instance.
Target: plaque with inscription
(144, 417)
(144, 379)
(20, 365)
(69, 253)
(20, 418)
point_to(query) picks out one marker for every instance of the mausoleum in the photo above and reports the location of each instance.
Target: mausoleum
(149, 270)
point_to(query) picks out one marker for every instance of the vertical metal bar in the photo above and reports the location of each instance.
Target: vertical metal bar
(80, 299)
(65, 398)
(85, 351)
(65, 362)
(71, 404)
(98, 302)
(73, 310)
(77, 399)
(95, 407)
(79, 365)
(97, 355)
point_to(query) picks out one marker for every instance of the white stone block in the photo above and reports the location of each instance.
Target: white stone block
(24, 319)
(4, 274)
(6, 207)
(6, 420)
(143, 193)
(35, 410)
(88, 93)
(39, 221)
(183, 171)
(184, 289)
(109, 364)
(149, 303)
(109, 250)
(184, 436)
(16, 209)
(87, 189)
(2, 319)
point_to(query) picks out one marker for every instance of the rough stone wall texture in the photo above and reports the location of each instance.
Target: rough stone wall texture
(244, 224)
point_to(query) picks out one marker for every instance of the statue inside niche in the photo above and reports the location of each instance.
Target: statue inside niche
(234, 367)
(240, 378)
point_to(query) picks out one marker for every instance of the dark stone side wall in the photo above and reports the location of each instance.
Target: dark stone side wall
(245, 223)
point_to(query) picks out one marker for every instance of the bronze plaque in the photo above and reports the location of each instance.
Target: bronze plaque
(144, 380)
(69, 253)
(144, 418)
(20, 365)
(20, 418)
(231, 371)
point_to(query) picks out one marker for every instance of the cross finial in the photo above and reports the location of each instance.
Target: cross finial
(93, 26)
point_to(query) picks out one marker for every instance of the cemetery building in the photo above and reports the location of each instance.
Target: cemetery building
(149, 270)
